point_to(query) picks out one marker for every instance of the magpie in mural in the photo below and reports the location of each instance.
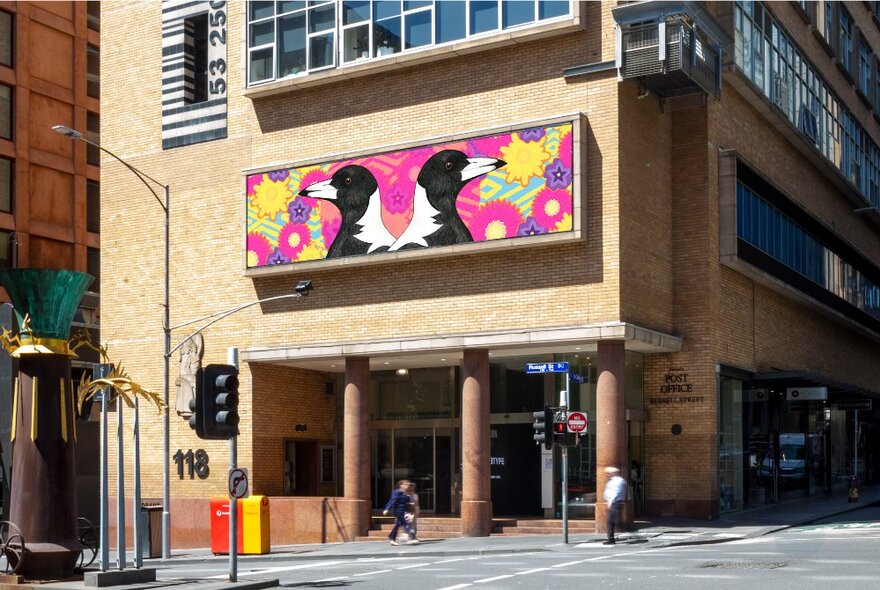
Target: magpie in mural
(355, 192)
(435, 220)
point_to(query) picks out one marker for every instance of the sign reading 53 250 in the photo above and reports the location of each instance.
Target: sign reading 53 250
(217, 49)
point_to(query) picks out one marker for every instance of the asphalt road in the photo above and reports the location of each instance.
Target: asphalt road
(840, 553)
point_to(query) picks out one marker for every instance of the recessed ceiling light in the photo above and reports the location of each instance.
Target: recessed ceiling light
(332, 366)
(442, 360)
(577, 347)
(386, 362)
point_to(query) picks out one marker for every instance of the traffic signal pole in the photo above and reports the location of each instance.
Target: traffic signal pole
(564, 403)
(232, 359)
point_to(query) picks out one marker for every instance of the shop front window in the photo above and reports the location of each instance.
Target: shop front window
(730, 447)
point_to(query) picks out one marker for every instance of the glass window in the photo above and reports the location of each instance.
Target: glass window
(6, 40)
(731, 462)
(93, 134)
(93, 72)
(93, 206)
(6, 185)
(845, 47)
(5, 111)
(93, 15)
(865, 68)
(296, 38)
(6, 248)
(483, 16)
(451, 21)
(93, 267)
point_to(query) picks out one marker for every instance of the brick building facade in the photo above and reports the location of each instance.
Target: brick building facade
(716, 257)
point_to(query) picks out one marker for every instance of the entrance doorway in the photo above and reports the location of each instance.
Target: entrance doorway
(300, 468)
(429, 457)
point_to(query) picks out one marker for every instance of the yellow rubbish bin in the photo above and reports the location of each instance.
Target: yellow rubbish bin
(255, 525)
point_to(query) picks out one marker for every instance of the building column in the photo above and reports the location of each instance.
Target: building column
(610, 421)
(476, 502)
(356, 447)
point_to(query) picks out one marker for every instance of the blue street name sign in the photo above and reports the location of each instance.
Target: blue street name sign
(546, 367)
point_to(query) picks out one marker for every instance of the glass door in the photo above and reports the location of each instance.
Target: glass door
(414, 460)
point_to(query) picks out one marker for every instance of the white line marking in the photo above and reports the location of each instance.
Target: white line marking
(370, 573)
(274, 570)
(455, 587)
(537, 569)
(484, 580)
(409, 567)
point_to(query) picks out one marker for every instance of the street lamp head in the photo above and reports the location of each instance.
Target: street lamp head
(65, 130)
(303, 287)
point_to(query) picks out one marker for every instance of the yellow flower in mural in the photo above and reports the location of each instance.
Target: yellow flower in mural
(564, 223)
(271, 197)
(311, 252)
(525, 159)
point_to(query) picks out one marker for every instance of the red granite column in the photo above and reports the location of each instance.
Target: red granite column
(610, 419)
(476, 502)
(356, 447)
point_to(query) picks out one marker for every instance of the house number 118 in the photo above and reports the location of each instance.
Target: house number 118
(196, 463)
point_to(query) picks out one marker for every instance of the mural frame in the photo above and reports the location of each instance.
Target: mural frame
(577, 233)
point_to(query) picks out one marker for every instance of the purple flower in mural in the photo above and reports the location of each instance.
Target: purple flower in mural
(277, 257)
(532, 134)
(278, 175)
(299, 211)
(530, 228)
(557, 174)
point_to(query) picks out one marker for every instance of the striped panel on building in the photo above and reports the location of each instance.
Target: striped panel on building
(194, 69)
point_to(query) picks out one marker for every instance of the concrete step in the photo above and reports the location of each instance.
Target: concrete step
(540, 530)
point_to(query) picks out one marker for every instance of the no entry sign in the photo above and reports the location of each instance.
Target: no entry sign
(577, 422)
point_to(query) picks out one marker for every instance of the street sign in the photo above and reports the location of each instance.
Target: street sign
(855, 404)
(238, 483)
(546, 367)
(577, 422)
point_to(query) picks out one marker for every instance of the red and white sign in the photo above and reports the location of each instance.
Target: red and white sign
(577, 422)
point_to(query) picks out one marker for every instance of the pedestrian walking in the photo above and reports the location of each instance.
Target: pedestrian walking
(412, 512)
(614, 495)
(397, 506)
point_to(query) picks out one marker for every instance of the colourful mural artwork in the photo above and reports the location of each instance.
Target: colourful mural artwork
(509, 185)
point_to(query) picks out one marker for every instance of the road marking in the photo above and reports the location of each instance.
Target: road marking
(537, 569)
(484, 580)
(370, 573)
(456, 587)
(409, 567)
(275, 570)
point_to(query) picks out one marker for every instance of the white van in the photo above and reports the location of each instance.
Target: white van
(792, 457)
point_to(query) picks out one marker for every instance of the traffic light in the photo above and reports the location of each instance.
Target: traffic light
(197, 407)
(217, 402)
(543, 426)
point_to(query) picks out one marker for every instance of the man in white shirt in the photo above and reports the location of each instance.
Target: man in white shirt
(614, 495)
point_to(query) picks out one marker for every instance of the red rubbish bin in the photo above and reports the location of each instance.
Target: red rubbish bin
(220, 526)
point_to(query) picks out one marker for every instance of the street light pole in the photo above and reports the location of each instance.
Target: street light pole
(166, 327)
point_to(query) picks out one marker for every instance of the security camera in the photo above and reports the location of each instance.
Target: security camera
(303, 287)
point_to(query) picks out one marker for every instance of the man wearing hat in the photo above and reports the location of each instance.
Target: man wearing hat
(615, 495)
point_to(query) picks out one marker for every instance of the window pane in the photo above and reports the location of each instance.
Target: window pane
(550, 9)
(386, 36)
(93, 15)
(93, 134)
(418, 29)
(284, 7)
(385, 9)
(451, 20)
(93, 72)
(291, 45)
(408, 5)
(356, 43)
(93, 207)
(517, 13)
(5, 186)
(355, 12)
(261, 10)
(261, 65)
(322, 19)
(263, 34)
(93, 267)
(5, 111)
(484, 17)
(5, 38)
(321, 51)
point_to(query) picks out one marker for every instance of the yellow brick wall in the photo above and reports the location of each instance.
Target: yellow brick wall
(569, 283)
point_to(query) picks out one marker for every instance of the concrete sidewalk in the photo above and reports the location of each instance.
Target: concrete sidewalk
(658, 532)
